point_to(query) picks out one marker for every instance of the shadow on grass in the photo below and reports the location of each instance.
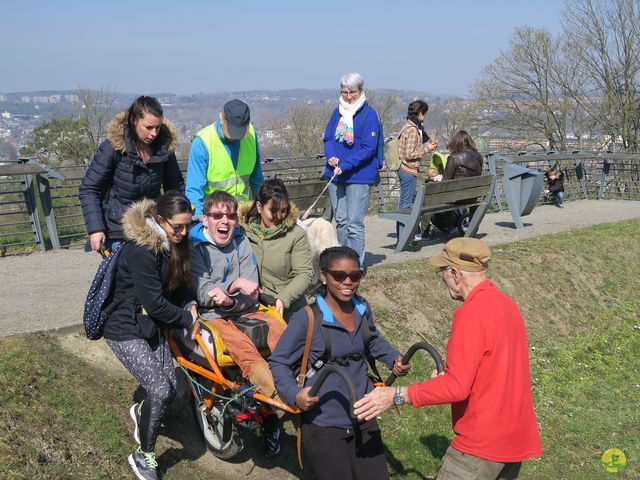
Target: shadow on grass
(437, 444)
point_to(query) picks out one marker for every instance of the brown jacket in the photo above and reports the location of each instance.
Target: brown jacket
(411, 149)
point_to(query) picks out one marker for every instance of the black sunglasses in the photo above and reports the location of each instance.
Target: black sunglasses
(339, 276)
(219, 215)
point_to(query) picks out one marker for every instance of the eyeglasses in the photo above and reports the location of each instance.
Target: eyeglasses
(339, 276)
(177, 228)
(350, 93)
(440, 271)
(218, 215)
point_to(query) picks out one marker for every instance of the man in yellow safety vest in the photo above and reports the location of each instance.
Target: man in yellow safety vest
(225, 156)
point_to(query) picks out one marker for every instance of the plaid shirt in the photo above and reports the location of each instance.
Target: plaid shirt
(411, 149)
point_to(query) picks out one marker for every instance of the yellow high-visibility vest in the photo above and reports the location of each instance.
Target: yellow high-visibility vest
(220, 172)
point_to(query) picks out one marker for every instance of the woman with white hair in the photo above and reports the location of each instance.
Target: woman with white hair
(353, 146)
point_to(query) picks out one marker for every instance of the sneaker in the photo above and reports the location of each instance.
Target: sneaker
(271, 436)
(135, 411)
(144, 465)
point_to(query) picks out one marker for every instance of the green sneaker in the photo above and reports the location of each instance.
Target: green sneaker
(144, 465)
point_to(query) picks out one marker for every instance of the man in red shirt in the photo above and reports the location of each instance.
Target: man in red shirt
(486, 379)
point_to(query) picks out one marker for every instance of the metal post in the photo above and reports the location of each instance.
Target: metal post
(47, 207)
(493, 171)
(581, 176)
(606, 166)
(30, 200)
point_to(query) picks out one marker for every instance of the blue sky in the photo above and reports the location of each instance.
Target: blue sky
(211, 46)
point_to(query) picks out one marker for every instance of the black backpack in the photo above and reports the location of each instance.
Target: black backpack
(99, 303)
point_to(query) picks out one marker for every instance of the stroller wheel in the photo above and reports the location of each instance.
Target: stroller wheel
(218, 430)
(463, 223)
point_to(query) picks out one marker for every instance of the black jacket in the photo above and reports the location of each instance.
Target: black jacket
(556, 185)
(117, 177)
(467, 163)
(142, 277)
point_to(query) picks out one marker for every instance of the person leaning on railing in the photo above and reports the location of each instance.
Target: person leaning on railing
(136, 161)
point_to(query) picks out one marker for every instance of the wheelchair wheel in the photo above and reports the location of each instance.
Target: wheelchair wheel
(219, 431)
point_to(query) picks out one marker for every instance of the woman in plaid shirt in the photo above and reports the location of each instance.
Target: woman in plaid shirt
(413, 144)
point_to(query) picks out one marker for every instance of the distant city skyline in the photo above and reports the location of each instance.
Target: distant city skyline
(197, 46)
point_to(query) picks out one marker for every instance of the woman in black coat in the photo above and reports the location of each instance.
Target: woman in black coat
(135, 162)
(153, 273)
(464, 160)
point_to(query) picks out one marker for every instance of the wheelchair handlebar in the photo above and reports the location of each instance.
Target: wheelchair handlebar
(346, 378)
(413, 349)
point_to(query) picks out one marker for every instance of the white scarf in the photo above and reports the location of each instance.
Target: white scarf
(347, 111)
(158, 229)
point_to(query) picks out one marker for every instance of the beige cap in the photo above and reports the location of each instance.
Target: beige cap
(466, 254)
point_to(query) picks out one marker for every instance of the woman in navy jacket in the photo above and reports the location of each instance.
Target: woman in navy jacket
(353, 146)
(152, 278)
(338, 446)
(135, 162)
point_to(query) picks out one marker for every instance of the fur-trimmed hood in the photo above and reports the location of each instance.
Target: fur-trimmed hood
(137, 229)
(167, 137)
(289, 222)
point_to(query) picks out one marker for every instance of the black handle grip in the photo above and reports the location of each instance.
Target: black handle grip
(346, 378)
(413, 349)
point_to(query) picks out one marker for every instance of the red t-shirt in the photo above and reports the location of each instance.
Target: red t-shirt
(486, 380)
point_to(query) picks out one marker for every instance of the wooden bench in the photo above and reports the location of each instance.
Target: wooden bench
(439, 197)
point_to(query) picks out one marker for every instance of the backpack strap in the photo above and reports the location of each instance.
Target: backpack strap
(303, 372)
(307, 345)
(366, 339)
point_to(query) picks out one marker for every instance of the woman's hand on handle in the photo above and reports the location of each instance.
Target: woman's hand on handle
(304, 401)
(96, 239)
(400, 369)
(195, 328)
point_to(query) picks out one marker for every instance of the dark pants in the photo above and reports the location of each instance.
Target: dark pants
(152, 366)
(345, 454)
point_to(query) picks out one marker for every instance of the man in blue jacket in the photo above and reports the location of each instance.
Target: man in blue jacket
(353, 143)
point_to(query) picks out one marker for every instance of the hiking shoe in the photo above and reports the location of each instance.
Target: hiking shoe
(144, 465)
(135, 411)
(271, 436)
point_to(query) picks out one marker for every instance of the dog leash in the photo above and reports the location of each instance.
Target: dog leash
(308, 210)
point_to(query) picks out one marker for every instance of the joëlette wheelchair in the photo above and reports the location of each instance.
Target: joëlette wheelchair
(225, 403)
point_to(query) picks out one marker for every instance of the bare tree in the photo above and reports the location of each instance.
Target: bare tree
(605, 36)
(94, 108)
(521, 90)
(302, 129)
(445, 119)
(386, 106)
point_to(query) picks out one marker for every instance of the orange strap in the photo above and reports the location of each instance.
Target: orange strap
(303, 372)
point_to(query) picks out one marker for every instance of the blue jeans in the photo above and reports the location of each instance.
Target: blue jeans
(350, 202)
(408, 187)
(559, 197)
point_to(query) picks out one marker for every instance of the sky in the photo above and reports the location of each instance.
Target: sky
(184, 47)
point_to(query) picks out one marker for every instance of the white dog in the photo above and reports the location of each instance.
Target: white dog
(321, 234)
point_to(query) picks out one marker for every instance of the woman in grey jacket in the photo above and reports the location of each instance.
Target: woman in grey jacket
(338, 446)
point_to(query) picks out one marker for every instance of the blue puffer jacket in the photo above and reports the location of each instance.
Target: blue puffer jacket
(361, 161)
(117, 177)
(333, 408)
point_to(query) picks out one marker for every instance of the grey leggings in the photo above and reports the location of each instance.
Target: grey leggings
(153, 368)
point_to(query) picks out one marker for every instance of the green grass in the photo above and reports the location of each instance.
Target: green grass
(578, 292)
